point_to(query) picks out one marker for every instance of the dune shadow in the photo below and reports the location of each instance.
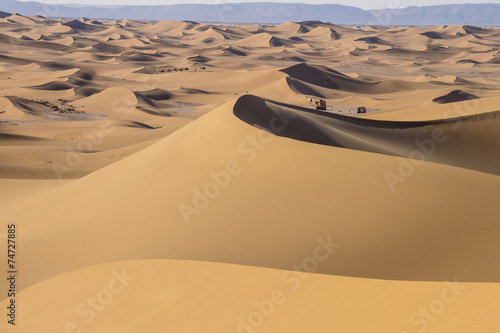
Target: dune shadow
(471, 142)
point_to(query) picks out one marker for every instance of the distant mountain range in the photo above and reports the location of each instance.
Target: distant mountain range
(468, 14)
(267, 12)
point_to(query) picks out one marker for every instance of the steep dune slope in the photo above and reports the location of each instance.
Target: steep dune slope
(324, 77)
(470, 141)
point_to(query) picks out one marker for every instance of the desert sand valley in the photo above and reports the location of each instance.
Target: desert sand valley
(176, 177)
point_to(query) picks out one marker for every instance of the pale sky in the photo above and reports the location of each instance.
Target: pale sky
(365, 4)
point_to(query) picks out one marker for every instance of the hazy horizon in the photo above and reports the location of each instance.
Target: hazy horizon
(364, 4)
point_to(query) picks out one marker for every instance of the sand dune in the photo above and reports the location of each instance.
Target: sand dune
(373, 40)
(110, 95)
(234, 51)
(210, 33)
(19, 19)
(59, 28)
(237, 292)
(11, 112)
(169, 26)
(343, 221)
(263, 40)
(78, 25)
(290, 29)
(324, 34)
(192, 155)
(65, 41)
(109, 49)
(454, 96)
(126, 42)
(330, 79)
(374, 136)
(116, 31)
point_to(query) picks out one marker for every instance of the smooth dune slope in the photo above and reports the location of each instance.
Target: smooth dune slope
(186, 296)
(290, 191)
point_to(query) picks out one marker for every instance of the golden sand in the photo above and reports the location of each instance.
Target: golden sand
(147, 198)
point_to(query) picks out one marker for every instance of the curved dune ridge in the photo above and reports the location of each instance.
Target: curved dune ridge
(210, 33)
(469, 142)
(263, 39)
(322, 34)
(290, 28)
(454, 96)
(325, 78)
